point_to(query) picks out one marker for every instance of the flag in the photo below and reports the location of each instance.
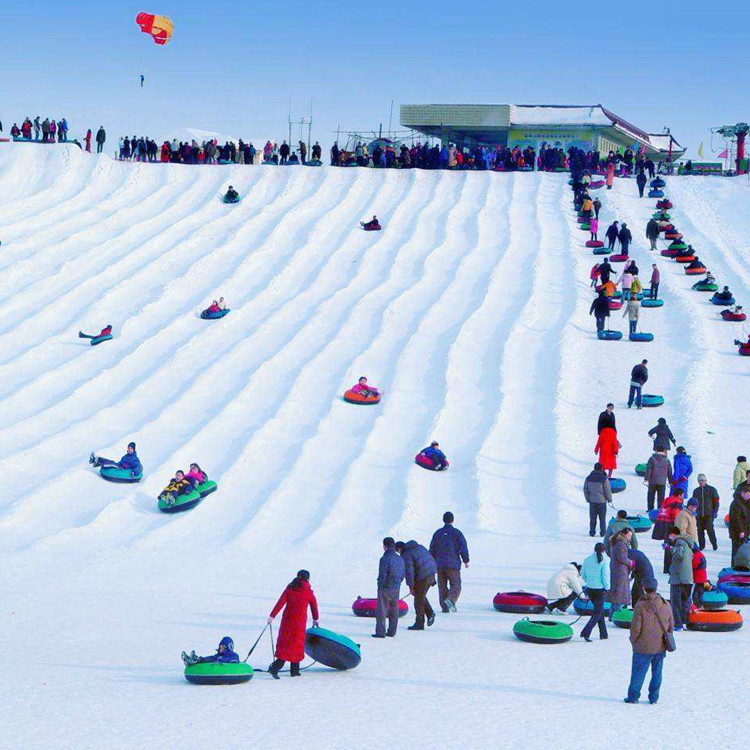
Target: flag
(724, 154)
(700, 150)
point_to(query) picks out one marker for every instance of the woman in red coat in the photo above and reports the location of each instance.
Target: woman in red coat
(608, 446)
(290, 645)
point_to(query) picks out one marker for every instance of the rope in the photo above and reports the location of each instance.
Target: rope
(255, 644)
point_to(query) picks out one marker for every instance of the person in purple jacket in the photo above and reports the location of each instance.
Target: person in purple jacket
(449, 548)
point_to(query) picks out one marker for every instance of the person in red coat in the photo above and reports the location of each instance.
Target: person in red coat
(290, 645)
(607, 448)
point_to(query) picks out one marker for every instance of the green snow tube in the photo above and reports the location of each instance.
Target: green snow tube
(701, 286)
(640, 470)
(586, 227)
(623, 618)
(542, 631)
(215, 673)
(188, 500)
(116, 474)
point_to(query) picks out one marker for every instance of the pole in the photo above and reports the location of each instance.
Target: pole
(390, 119)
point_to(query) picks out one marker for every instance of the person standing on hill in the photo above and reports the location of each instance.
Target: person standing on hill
(641, 182)
(619, 571)
(662, 435)
(612, 233)
(101, 137)
(652, 619)
(680, 576)
(739, 518)
(686, 521)
(600, 310)
(708, 508)
(597, 207)
(638, 378)
(594, 228)
(284, 152)
(683, 468)
(633, 312)
(448, 547)
(607, 419)
(658, 475)
(625, 237)
(420, 570)
(595, 573)
(652, 232)
(655, 279)
(391, 574)
(740, 472)
(598, 493)
(605, 271)
(607, 447)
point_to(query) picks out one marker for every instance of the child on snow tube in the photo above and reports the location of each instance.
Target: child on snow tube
(106, 331)
(724, 295)
(697, 263)
(224, 654)
(371, 225)
(129, 462)
(216, 307)
(180, 484)
(232, 196)
(197, 474)
(363, 389)
(434, 456)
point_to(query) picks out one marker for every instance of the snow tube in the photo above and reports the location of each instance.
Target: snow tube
(618, 295)
(696, 271)
(182, 502)
(519, 602)
(664, 204)
(426, 463)
(313, 163)
(363, 607)
(206, 315)
(98, 339)
(661, 215)
(602, 251)
(714, 600)
(684, 258)
(619, 257)
(609, 335)
(648, 302)
(640, 470)
(585, 226)
(714, 620)
(653, 514)
(744, 350)
(667, 253)
(623, 618)
(215, 673)
(231, 200)
(581, 219)
(678, 245)
(542, 631)
(651, 399)
(729, 315)
(738, 592)
(585, 607)
(673, 235)
(332, 649)
(639, 523)
(655, 193)
(615, 304)
(703, 286)
(733, 573)
(665, 226)
(594, 243)
(657, 182)
(357, 398)
(641, 336)
(376, 228)
(115, 474)
(716, 300)
(617, 485)
(596, 184)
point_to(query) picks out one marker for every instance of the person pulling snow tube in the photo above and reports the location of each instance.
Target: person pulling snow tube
(594, 243)
(652, 399)
(642, 336)
(213, 314)
(655, 193)
(738, 592)
(657, 182)
(364, 607)
(714, 620)
(188, 500)
(714, 599)
(542, 631)
(617, 485)
(696, 271)
(122, 476)
(585, 607)
(649, 302)
(718, 299)
(619, 258)
(609, 335)
(358, 398)
(519, 602)
(733, 316)
(218, 673)
(623, 618)
(332, 649)
(705, 286)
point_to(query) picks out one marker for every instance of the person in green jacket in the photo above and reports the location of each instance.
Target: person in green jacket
(680, 576)
(740, 472)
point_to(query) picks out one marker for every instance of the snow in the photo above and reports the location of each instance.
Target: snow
(529, 114)
(470, 309)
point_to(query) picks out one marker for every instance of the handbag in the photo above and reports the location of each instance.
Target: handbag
(667, 638)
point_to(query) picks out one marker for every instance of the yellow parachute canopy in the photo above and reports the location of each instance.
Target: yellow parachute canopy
(160, 27)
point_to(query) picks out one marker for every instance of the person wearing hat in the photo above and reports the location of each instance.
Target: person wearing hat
(687, 522)
(290, 645)
(129, 462)
(708, 508)
(598, 493)
(420, 570)
(224, 654)
(564, 587)
(680, 576)
(682, 468)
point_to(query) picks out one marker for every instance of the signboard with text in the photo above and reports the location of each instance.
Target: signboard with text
(558, 137)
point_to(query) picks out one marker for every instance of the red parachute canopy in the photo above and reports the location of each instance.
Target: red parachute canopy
(160, 27)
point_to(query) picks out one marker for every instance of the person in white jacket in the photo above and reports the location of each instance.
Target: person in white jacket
(564, 587)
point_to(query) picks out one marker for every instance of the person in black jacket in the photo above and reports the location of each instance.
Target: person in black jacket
(607, 419)
(638, 378)
(739, 517)
(600, 310)
(597, 207)
(334, 154)
(449, 549)
(643, 574)
(625, 238)
(605, 271)
(420, 570)
(598, 494)
(613, 232)
(708, 509)
(662, 435)
(284, 152)
(641, 182)
(391, 572)
(652, 232)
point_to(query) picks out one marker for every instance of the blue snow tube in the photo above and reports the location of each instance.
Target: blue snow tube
(617, 484)
(585, 607)
(657, 182)
(722, 302)
(648, 302)
(602, 250)
(609, 335)
(654, 193)
(738, 592)
(231, 200)
(206, 315)
(116, 474)
(641, 336)
(724, 572)
(639, 524)
(651, 399)
(332, 649)
(98, 339)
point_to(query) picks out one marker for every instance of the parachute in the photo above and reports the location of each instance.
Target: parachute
(160, 27)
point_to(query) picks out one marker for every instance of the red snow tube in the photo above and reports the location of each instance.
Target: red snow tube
(745, 350)
(728, 315)
(594, 243)
(358, 398)
(665, 226)
(667, 253)
(664, 204)
(596, 184)
(366, 607)
(619, 258)
(737, 577)
(519, 602)
(696, 271)
(615, 304)
(672, 235)
(684, 258)
(375, 228)
(427, 463)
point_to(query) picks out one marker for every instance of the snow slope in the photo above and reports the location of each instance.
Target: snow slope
(470, 309)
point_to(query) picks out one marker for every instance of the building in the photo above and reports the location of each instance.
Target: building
(587, 127)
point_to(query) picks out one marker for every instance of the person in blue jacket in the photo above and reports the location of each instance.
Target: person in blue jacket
(682, 469)
(129, 462)
(420, 570)
(391, 572)
(437, 456)
(449, 548)
(224, 654)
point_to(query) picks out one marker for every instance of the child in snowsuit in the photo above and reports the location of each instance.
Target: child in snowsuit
(224, 654)
(178, 485)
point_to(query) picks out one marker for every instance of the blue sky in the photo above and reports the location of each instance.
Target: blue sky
(232, 66)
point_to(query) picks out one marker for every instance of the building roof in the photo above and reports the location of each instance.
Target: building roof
(661, 142)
